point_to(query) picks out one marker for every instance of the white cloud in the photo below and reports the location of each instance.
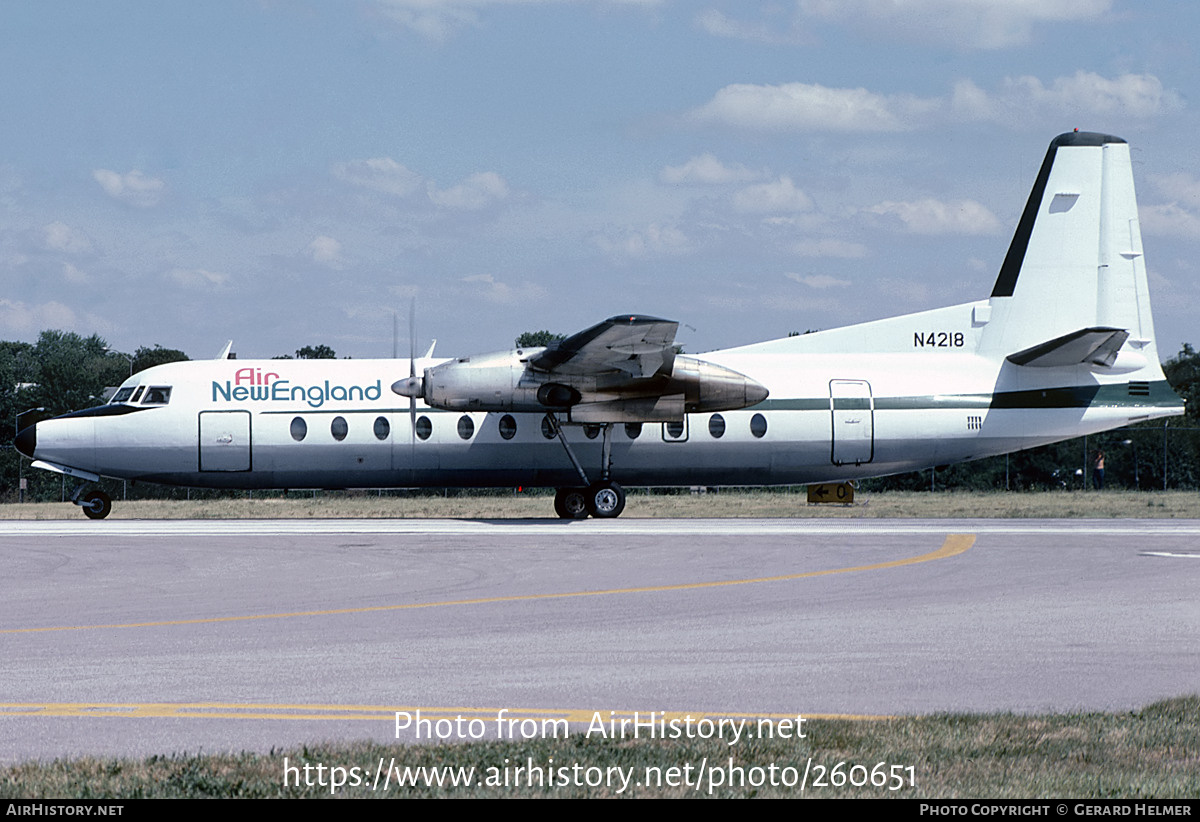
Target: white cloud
(1169, 221)
(655, 239)
(381, 174)
(438, 19)
(829, 247)
(134, 188)
(720, 25)
(476, 192)
(929, 216)
(1178, 186)
(771, 198)
(706, 169)
(385, 174)
(960, 24)
(806, 107)
(495, 291)
(817, 280)
(326, 250)
(811, 107)
(74, 275)
(1173, 219)
(21, 319)
(1085, 93)
(198, 278)
(61, 237)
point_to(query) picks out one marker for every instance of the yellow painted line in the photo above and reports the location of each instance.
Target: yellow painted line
(954, 545)
(234, 710)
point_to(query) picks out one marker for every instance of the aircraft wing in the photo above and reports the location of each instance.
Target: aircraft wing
(638, 345)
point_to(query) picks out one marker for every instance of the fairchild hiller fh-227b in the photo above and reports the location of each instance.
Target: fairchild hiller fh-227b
(1063, 347)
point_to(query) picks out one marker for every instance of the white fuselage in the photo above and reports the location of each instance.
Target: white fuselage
(829, 417)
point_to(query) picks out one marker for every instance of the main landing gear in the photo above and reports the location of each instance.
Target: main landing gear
(95, 503)
(604, 499)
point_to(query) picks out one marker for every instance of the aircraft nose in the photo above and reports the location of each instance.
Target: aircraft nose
(26, 441)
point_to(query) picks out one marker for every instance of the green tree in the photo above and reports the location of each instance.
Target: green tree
(73, 371)
(18, 379)
(537, 339)
(315, 352)
(150, 357)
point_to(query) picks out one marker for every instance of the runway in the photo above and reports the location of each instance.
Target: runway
(136, 637)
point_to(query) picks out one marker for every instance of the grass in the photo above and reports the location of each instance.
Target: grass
(726, 503)
(1149, 753)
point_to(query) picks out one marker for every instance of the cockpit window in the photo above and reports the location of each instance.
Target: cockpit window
(137, 394)
(157, 395)
(123, 395)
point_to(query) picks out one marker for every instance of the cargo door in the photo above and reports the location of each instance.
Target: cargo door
(224, 440)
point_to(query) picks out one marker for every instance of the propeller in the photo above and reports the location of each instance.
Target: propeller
(413, 386)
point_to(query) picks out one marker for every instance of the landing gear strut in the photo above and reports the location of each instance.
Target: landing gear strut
(604, 499)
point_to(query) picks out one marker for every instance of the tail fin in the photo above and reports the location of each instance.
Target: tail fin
(1075, 263)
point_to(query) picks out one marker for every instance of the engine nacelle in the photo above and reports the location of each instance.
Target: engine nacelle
(505, 381)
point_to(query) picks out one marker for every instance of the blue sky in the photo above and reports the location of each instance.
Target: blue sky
(292, 173)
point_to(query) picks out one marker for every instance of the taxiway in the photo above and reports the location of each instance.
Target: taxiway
(137, 637)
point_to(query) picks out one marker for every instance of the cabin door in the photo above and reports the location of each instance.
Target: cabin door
(853, 412)
(224, 440)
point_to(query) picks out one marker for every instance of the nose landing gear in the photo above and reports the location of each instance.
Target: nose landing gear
(95, 503)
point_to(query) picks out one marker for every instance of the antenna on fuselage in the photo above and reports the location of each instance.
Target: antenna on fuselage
(224, 355)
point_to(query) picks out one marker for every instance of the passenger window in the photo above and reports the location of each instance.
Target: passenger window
(758, 426)
(382, 428)
(424, 427)
(508, 427)
(157, 395)
(299, 429)
(466, 427)
(548, 429)
(633, 430)
(339, 428)
(591, 431)
(716, 426)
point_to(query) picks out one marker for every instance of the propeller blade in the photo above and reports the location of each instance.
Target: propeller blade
(414, 386)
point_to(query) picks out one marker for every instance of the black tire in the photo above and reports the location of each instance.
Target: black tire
(96, 504)
(605, 500)
(571, 503)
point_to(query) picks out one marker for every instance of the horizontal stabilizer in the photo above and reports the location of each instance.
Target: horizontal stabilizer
(1088, 346)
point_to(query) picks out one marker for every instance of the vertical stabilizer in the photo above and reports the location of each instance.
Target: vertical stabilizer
(1075, 262)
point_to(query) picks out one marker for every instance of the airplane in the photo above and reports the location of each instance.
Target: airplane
(1062, 347)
